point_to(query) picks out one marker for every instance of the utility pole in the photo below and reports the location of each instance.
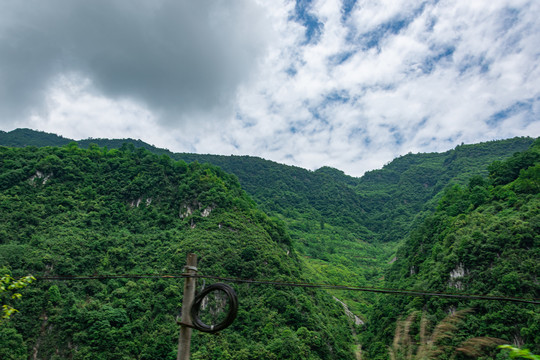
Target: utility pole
(184, 339)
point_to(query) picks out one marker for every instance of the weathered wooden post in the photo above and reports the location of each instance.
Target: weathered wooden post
(184, 339)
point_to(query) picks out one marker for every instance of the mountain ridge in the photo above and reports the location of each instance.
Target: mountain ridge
(343, 230)
(331, 217)
(69, 212)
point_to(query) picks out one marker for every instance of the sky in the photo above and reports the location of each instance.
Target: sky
(347, 84)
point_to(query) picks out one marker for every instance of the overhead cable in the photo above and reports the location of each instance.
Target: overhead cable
(405, 292)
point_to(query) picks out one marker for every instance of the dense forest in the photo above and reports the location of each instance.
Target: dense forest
(484, 238)
(346, 228)
(68, 212)
(122, 206)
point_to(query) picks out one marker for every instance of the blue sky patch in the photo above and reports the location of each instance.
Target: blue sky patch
(346, 8)
(442, 55)
(470, 62)
(420, 125)
(397, 136)
(341, 96)
(367, 141)
(509, 18)
(340, 58)
(514, 109)
(358, 134)
(291, 71)
(395, 133)
(372, 39)
(312, 24)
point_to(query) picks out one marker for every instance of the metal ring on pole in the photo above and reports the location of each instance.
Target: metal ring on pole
(231, 315)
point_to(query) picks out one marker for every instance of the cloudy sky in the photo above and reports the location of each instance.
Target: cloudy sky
(343, 83)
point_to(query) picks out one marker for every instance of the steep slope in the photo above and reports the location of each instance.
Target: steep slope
(361, 205)
(484, 238)
(347, 228)
(68, 212)
(399, 195)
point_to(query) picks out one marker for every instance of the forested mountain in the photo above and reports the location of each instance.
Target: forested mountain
(68, 212)
(484, 238)
(27, 137)
(324, 226)
(346, 228)
(361, 205)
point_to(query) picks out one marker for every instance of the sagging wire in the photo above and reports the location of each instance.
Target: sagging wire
(404, 292)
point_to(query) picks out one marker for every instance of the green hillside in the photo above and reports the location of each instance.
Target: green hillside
(323, 227)
(68, 211)
(347, 229)
(397, 196)
(27, 137)
(484, 238)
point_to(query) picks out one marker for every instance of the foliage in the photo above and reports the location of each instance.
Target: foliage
(348, 228)
(69, 211)
(482, 239)
(27, 137)
(519, 353)
(11, 344)
(7, 287)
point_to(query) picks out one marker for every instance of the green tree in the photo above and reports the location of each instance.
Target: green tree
(11, 344)
(519, 353)
(8, 287)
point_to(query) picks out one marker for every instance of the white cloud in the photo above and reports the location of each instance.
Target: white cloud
(81, 112)
(427, 86)
(386, 79)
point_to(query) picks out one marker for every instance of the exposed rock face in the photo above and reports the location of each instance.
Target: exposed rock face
(456, 275)
(207, 211)
(40, 175)
(187, 210)
(458, 272)
(137, 202)
(356, 319)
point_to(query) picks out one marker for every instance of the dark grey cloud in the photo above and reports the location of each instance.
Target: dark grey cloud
(176, 57)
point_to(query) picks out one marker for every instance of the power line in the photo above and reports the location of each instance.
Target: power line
(404, 292)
